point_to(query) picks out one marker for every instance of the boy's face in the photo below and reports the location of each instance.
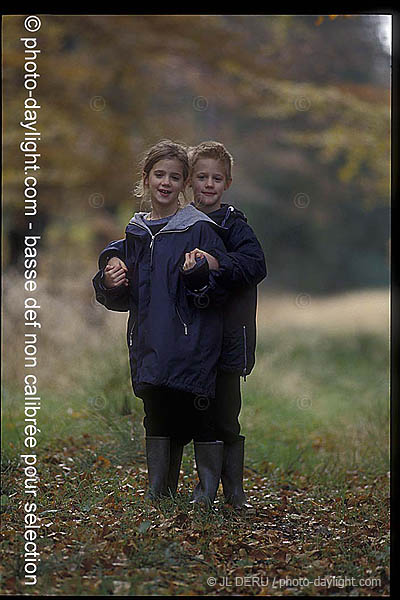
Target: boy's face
(209, 182)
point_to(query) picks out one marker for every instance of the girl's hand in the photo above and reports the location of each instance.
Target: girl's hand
(115, 273)
(190, 259)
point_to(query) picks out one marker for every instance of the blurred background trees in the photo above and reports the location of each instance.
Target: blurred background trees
(302, 103)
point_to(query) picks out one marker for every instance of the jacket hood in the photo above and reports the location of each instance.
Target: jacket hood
(184, 218)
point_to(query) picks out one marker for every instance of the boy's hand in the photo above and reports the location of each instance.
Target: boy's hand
(190, 259)
(115, 273)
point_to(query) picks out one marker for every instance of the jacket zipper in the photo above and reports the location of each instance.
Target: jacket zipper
(230, 210)
(245, 352)
(131, 333)
(185, 327)
(151, 250)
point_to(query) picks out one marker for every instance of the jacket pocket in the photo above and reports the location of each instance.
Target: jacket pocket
(234, 350)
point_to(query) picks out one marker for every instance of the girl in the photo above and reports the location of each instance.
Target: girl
(175, 323)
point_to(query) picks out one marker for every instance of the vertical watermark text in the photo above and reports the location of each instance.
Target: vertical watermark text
(29, 146)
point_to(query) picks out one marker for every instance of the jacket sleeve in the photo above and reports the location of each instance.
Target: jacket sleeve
(116, 298)
(243, 264)
(112, 298)
(213, 290)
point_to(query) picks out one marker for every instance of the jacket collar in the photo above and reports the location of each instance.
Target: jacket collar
(184, 218)
(224, 214)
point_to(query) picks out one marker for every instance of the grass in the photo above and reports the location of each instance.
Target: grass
(316, 420)
(323, 409)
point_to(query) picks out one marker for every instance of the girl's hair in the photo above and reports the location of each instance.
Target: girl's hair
(212, 149)
(160, 151)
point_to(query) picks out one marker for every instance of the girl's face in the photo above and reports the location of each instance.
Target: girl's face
(165, 182)
(209, 182)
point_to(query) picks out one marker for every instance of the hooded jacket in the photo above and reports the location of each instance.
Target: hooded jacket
(172, 342)
(242, 268)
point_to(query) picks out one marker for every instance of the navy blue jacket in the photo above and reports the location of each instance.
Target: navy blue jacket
(242, 268)
(171, 341)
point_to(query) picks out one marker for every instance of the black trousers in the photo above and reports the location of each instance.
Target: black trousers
(179, 415)
(226, 406)
(184, 416)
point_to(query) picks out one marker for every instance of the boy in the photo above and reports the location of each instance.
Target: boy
(241, 270)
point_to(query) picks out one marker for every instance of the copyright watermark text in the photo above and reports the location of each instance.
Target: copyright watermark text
(330, 581)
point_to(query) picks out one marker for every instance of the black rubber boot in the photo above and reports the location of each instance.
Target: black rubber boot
(158, 457)
(176, 451)
(209, 456)
(232, 473)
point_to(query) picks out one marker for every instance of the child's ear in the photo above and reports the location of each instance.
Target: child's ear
(228, 183)
(145, 178)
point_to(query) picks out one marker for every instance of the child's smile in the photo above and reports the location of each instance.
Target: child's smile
(165, 193)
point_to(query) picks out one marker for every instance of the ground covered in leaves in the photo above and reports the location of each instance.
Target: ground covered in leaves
(99, 535)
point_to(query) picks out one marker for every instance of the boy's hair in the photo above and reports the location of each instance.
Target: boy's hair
(160, 151)
(211, 149)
